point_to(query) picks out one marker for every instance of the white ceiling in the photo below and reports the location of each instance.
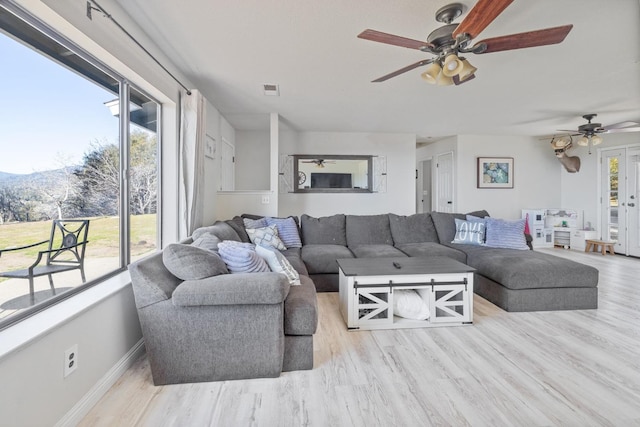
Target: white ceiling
(229, 49)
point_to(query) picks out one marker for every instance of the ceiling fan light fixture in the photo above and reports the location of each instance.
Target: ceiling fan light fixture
(596, 139)
(452, 65)
(584, 141)
(444, 80)
(431, 75)
(467, 70)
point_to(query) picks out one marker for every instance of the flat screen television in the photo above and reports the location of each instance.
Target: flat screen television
(331, 180)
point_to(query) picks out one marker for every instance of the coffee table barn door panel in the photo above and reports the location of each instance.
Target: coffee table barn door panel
(450, 303)
(373, 306)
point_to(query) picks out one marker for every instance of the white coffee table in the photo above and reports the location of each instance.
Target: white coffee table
(367, 286)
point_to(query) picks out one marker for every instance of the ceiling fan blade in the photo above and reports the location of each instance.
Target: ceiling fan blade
(481, 15)
(457, 82)
(380, 37)
(620, 130)
(543, 37)
(621, 125)
(403, 70)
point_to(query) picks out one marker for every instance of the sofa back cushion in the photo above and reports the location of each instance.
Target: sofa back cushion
(368, 230)
(220, 229)
(445, 224)
(416, 228)
(328, 230)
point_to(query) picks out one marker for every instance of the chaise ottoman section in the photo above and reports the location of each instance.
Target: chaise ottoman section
(534, 282)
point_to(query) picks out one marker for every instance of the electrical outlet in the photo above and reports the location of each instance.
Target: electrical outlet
(265, 200)
(70, 360)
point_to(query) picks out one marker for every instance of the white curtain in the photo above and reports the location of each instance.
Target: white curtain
(192, 135)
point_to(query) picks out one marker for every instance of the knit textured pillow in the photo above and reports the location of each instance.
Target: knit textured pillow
(266, 236)
(278, 263)
(287, 231)
(241, 257)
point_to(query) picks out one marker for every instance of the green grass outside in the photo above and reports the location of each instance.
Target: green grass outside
(103, 239)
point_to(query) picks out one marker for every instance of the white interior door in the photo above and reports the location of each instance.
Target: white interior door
(444, 183)
(633, 196)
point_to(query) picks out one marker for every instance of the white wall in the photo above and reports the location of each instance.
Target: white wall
(537, 173)
(399, 150)
(252, 160)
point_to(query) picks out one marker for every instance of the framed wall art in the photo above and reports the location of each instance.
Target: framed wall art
(495, 172)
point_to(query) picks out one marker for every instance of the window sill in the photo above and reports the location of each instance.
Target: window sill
(23, 333)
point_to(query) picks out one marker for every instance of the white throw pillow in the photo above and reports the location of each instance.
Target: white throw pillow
(409, 304)
(278, 263)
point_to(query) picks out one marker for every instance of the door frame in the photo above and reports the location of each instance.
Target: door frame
(599, 182)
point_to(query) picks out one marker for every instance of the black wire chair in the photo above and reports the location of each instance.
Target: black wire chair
(66, 249)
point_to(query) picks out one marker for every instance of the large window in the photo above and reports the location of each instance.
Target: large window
(77, 142)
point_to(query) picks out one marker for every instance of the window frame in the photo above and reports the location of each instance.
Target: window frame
(124, 119)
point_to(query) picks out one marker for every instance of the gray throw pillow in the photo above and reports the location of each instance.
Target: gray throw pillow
(207, 241)
(188, 262)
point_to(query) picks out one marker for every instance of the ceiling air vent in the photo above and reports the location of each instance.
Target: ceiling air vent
(271, 90)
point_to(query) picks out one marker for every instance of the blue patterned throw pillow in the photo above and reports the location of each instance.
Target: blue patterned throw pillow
(254, 223)
(287, 231)
(469, 232)
(506, 234)
(241, 257)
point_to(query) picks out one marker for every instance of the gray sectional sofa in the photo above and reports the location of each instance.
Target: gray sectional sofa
(229, 326)
(514, 280)
(251, 325)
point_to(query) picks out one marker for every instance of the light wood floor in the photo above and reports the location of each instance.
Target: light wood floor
(564, 368)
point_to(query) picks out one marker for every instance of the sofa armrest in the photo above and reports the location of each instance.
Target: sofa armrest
(232, 289)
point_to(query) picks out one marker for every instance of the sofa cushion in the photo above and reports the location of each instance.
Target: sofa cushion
(376, 251)
(188, 262)
(429, 249)
(506, 234)
(238, 225)
(415, 228)
(328, 230)
(245, 288)
(294, 257)
(278, 263)
(220, 229)
(530, 269)
(301, 309)
(241, 257)
(287, 231)
(368, 230)
(266, 236)
(446, 226)
(321, 259)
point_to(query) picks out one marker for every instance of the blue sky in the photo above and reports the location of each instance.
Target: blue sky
(47, 112)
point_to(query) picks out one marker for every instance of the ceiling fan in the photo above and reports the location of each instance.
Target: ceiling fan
(319, 162)
(449, 41)
(590, 131)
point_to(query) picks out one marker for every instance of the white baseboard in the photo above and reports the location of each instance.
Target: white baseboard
(84, 405)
